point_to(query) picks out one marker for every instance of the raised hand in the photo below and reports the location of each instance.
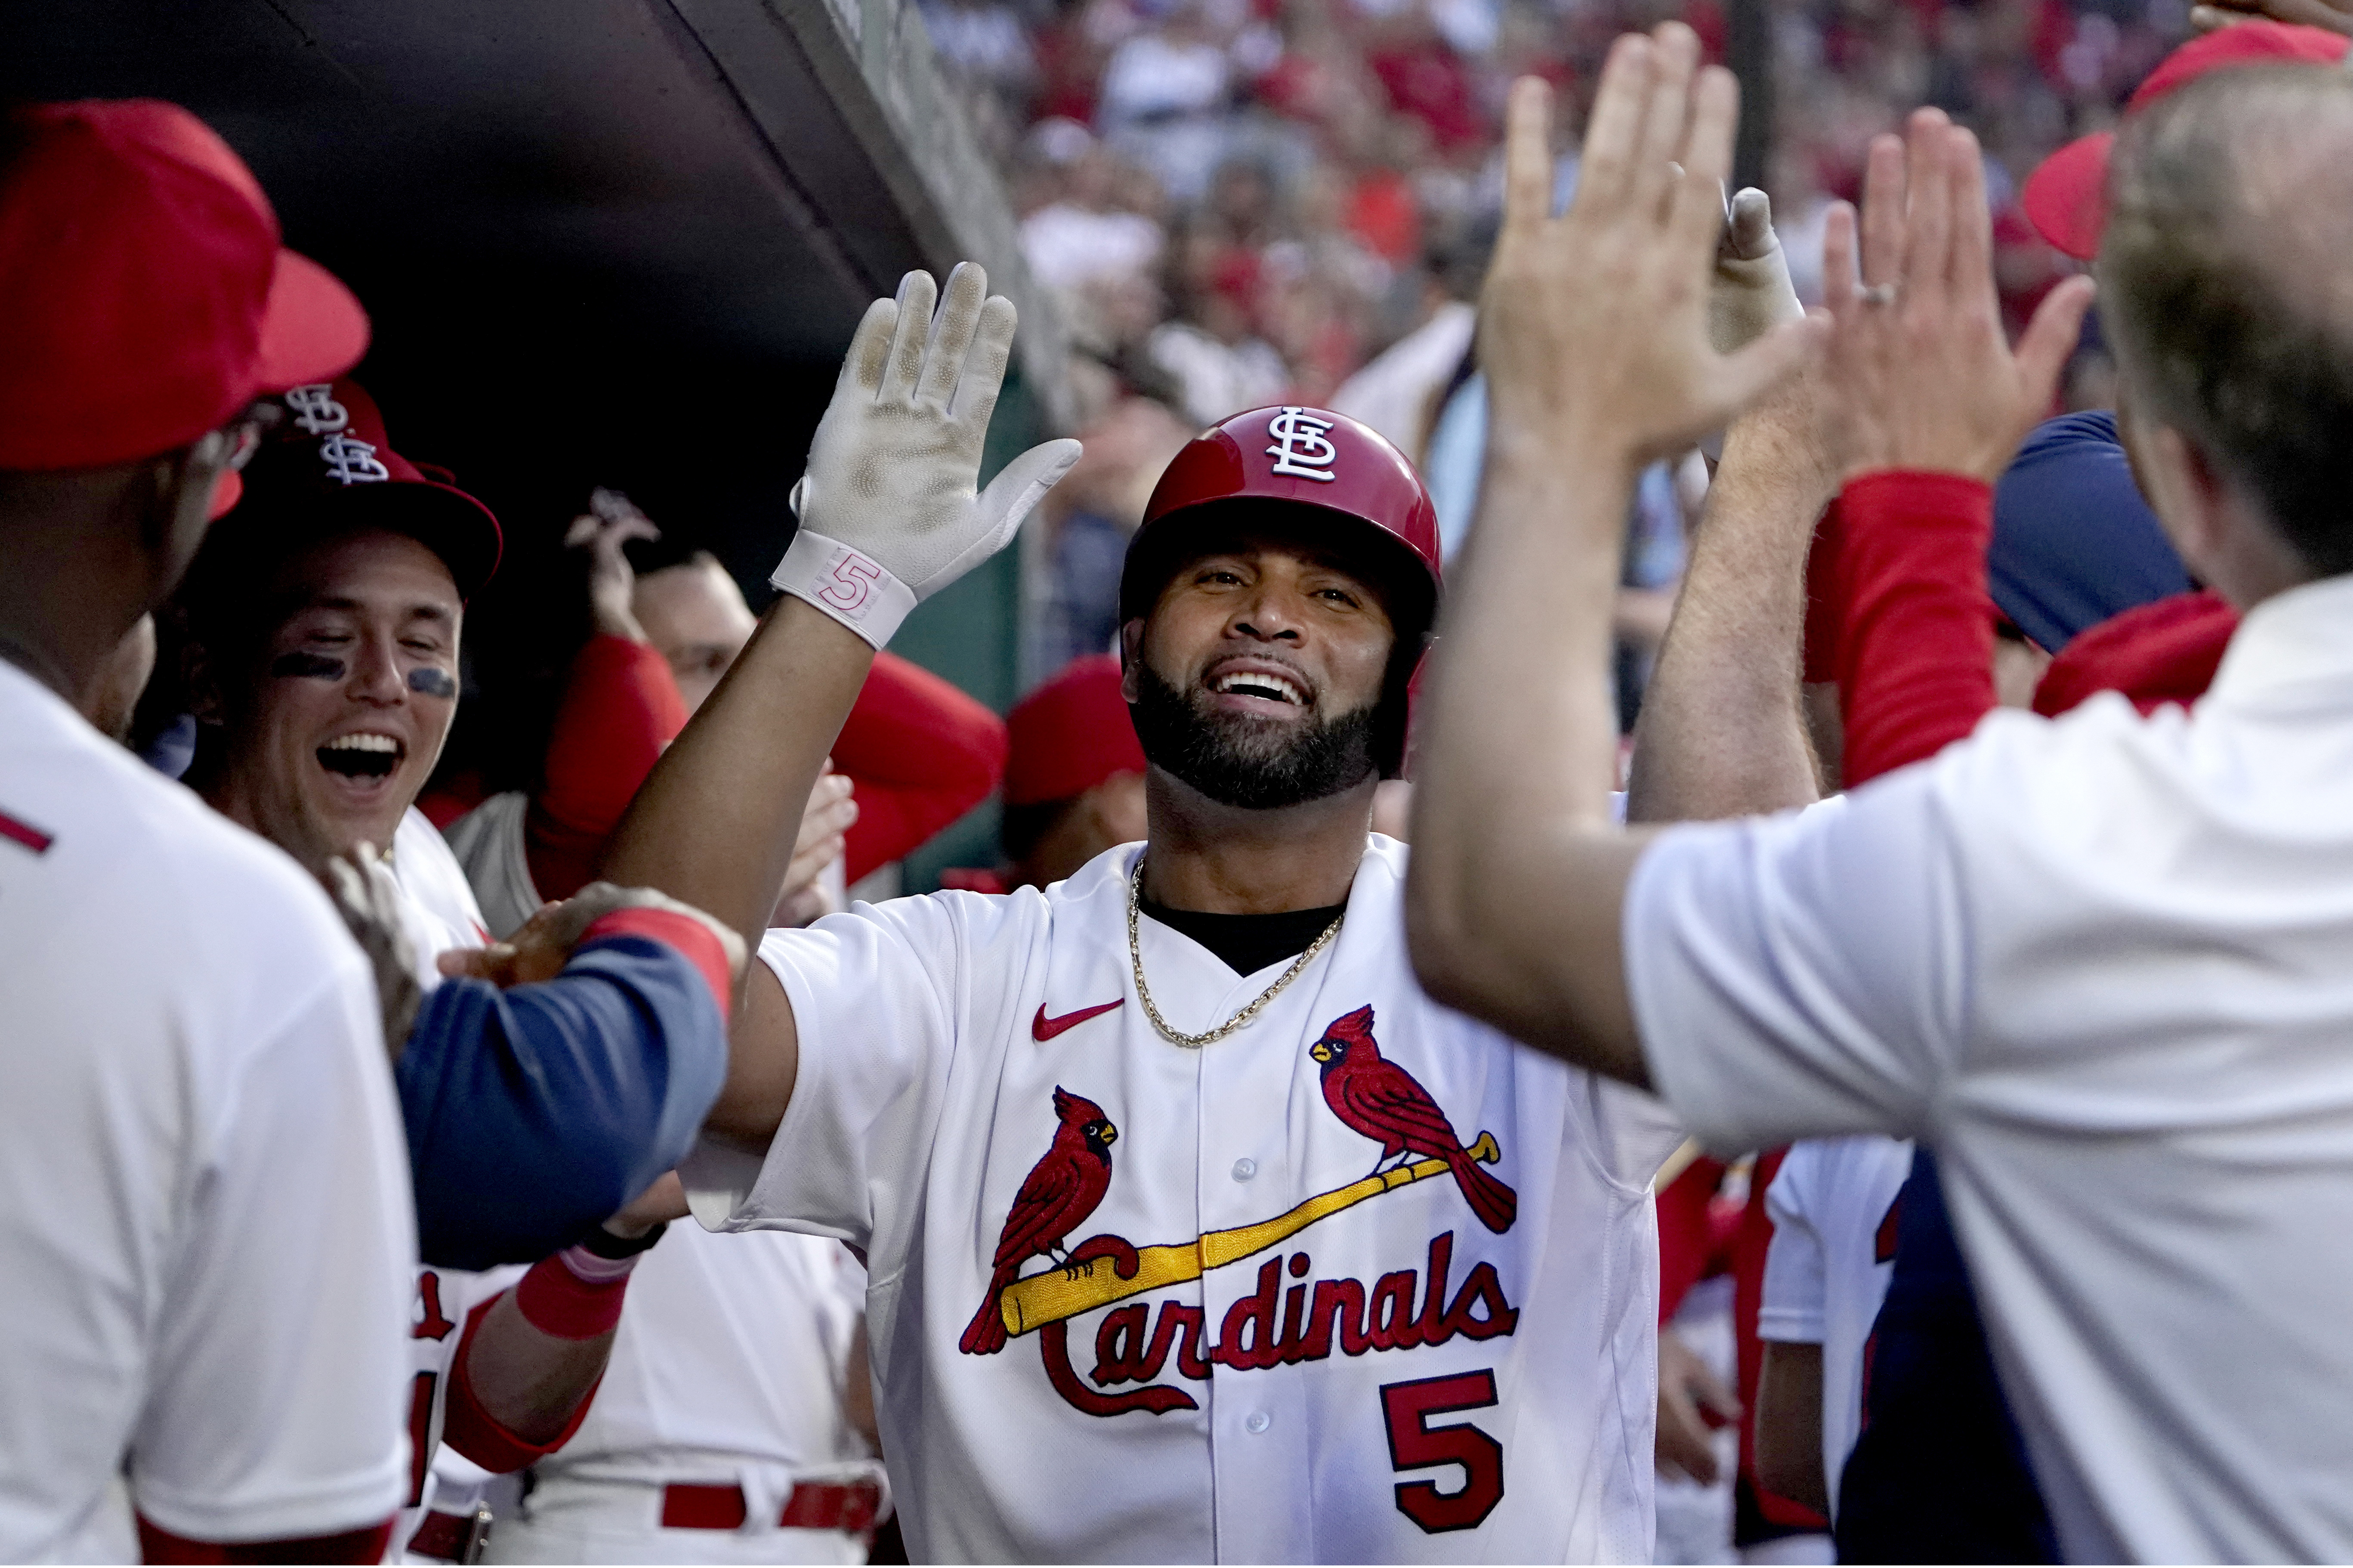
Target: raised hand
(1750, 292)
(888, 510)
(610, 523)
(1593, 326)
(824, 827)
(1918, 374)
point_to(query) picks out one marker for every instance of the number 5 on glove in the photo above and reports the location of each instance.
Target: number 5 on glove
(888, 510)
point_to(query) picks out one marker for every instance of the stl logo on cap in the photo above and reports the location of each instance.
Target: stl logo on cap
(349, 459)
(1300, 444)
(315, 410)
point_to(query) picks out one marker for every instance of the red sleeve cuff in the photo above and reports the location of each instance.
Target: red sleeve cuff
(699, 944)
(476, 1434)
(1915, 626)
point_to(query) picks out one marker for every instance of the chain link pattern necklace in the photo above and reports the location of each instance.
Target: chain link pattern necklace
(1144, 992)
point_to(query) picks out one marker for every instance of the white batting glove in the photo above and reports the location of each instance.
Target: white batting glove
(1750, 292)
(888, 511)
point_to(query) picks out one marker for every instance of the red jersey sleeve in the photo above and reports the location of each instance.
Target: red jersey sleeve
(921, 752)
(476, 1433)
(1915, 628)
(620, 707)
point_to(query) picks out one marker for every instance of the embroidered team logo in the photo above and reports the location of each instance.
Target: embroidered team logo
(1301, 449)
(1055, 1197)
(1380, 1099)
(1272, 1327)
(315, 410)
(351, 461)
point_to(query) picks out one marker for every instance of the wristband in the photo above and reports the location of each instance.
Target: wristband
(848, 584)
(577, 1294)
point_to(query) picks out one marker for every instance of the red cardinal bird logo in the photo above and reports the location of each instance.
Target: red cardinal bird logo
(1380, 1099)
(1055, 1197)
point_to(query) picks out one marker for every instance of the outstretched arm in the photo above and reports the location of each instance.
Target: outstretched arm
(888, 516)
(1594, 341)
(1722, 730)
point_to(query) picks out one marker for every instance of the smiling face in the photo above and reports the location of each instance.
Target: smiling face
(1257, 677)
(335, 715)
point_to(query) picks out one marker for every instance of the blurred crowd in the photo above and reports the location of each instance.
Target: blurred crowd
(1250, 202)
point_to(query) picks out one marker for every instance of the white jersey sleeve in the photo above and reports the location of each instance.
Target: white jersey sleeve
(274, 1334)
(1801, 974)
(1790, 1311)
(880, 997)
(205, 1238)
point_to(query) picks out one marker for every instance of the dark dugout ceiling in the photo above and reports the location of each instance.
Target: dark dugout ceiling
(602, 241)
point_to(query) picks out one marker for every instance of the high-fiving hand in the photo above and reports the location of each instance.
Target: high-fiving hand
(888, 510)
(1594, 325)
(1918, 374)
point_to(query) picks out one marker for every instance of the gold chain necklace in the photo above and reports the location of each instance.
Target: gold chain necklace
(1144, 992)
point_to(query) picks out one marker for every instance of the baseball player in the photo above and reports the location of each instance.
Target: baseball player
(734, 1424)
(324, 622)
(206, 1234)
(1184, 1111)
(325, 619)
(1833, 1207)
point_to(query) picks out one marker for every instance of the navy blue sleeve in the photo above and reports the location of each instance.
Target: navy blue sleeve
(534, 1112)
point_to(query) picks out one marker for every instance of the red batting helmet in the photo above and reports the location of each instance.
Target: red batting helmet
(1317, 467)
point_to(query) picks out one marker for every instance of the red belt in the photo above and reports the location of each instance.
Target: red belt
(830, 1505)
(452, 1537)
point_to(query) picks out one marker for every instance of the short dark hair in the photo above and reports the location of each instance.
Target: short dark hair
(2217, 329)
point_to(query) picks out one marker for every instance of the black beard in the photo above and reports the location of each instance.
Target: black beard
(1255, 764)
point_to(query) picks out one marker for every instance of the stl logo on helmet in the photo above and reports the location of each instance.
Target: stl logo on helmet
(1301, 449)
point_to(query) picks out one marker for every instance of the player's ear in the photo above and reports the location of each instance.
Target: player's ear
(1131, 654)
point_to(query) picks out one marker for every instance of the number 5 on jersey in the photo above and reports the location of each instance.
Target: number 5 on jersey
(1416, 1445)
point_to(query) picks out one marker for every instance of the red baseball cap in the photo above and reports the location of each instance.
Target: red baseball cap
(1070, 735)
(2066, 197)
(329, 466)
(144, 297)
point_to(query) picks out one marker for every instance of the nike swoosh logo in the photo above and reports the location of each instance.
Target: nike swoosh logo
(1046, 1028)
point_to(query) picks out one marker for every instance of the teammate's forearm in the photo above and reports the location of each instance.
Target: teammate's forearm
(716, 821)
(1722, 731)
(1515, 876)
(529, 1382)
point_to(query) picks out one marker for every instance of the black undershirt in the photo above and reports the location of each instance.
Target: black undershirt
(1248, 944)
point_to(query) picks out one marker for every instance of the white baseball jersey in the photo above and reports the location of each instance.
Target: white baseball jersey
(2101, 962)
(1453, 1358)
(1834, 1208)
(488, 843)
(439, 913)
(205, 1238)
(728, 1370)
(444, 1299)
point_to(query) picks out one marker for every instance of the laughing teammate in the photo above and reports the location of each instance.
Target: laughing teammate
(1400, 1374)
(325, 615)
